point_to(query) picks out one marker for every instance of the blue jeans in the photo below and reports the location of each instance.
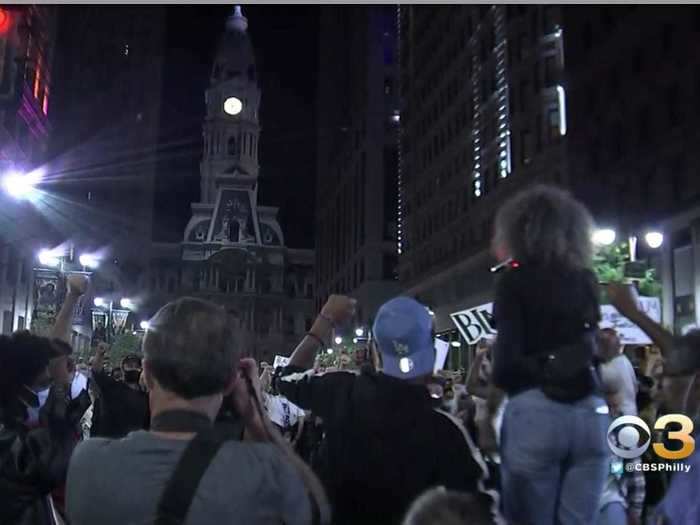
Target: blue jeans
(554, 459)
(612, 514)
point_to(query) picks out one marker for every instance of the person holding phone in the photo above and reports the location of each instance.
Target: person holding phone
(182, 467)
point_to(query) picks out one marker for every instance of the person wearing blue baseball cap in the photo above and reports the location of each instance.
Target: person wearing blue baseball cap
(403, 331)
(385, 442)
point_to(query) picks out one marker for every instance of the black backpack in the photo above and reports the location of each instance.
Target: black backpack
(566, 374)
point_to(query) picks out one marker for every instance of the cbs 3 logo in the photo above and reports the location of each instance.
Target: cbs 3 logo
(629, 437)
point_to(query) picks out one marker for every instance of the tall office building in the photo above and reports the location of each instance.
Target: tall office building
(497, 98)
(358, 121)
(481, 116)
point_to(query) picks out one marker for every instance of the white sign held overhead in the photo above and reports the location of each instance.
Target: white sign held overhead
(280, 361)
(477, 323)
(441, 350)
(630, 333)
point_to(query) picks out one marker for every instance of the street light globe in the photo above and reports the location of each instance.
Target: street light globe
(99, 302)
(144, 325)
(654, 239)
(126, 303)
(604, 237)
(48, 258)
(338, 340)
(89, 260)
(359, 332)
(456, 344)
(18, 185)
(329, 351)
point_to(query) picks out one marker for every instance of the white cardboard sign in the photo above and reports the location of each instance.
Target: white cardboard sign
(280, 361)
(441, 350)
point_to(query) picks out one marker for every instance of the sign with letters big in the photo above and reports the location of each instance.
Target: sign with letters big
(475, 323)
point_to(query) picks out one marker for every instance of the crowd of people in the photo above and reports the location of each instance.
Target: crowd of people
(192, 431)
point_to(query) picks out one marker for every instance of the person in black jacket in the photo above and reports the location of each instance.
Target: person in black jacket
(122, 406)
(554, 453)
(385, 441)
(38, 419)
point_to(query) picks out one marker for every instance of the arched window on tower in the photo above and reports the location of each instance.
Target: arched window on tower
(232, 146)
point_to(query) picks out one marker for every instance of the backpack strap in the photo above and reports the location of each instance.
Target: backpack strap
(177, 497)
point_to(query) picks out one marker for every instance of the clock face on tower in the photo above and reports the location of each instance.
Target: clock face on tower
(233, 106)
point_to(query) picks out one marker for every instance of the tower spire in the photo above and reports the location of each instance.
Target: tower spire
(237, 22)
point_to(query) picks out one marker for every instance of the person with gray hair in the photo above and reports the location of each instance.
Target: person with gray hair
(439, 506)
(183, 470)
(554, 454)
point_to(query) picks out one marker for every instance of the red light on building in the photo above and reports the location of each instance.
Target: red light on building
(5, 21)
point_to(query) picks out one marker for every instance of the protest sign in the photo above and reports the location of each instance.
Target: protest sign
(441, 350)
(280, 361)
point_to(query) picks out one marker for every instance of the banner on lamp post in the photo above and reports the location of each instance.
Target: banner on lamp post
(99, 327)
(119, 318)
(47, 299)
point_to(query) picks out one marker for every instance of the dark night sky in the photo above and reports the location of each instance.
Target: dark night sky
(285, 41)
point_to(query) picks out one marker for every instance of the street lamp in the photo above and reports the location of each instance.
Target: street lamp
(144, 325)
(338, 340)
(359, 332)
(654, 239)
(99, 302)
(126, 303)
(604, 237)
(455, 344)
(20, 185)
(89, 260)
(49, 258)
(329, 351)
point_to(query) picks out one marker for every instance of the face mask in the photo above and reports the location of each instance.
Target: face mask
(132, 376)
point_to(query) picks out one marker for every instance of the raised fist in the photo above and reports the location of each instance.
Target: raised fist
(339, 308)
(77, 284)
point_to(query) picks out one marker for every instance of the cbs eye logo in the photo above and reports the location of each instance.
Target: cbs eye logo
(629, 437)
